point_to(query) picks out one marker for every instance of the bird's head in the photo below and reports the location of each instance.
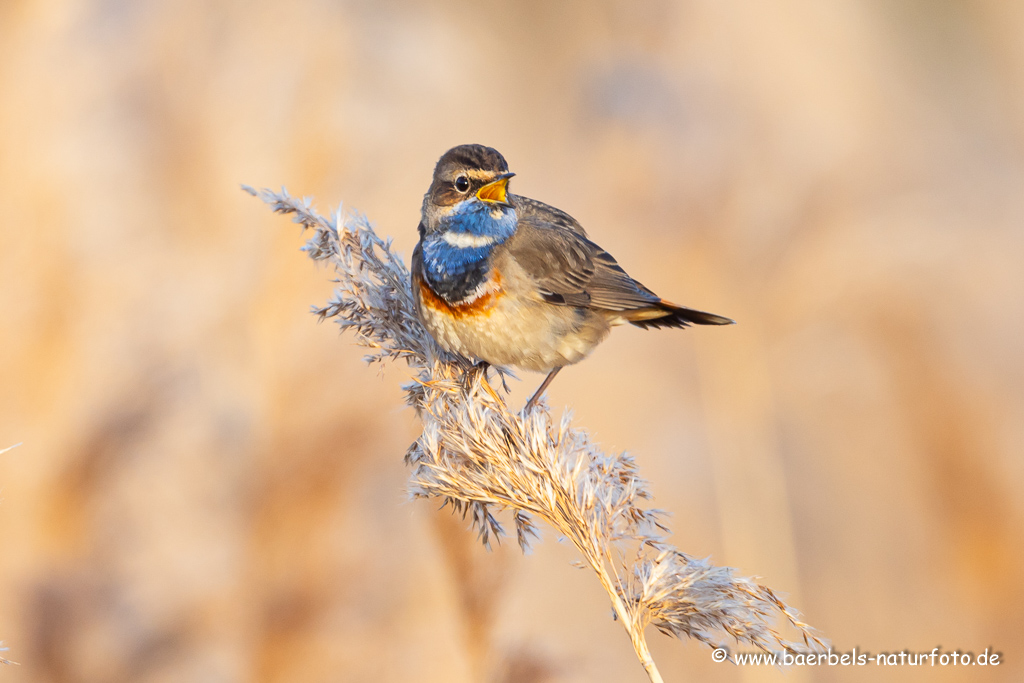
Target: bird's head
(469, 193)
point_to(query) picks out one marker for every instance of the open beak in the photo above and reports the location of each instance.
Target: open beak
(495, 191)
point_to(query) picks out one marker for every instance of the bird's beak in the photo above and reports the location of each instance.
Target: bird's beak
(495, 191)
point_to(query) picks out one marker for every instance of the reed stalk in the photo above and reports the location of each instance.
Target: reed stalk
(482, 457)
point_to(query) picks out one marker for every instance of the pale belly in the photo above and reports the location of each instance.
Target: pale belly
(504, 330)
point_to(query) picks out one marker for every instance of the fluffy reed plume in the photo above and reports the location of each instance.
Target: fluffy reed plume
(481, 457)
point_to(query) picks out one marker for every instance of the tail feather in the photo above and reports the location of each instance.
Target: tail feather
(667, 314)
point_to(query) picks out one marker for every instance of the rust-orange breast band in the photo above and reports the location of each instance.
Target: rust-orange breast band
(481, 305)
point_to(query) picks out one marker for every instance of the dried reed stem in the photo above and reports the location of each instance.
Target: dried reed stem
(478, 455)
(4, 649)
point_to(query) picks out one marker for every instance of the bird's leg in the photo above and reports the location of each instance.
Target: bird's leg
(482, 367)
(540, 390)
(504, 384)
(479, 369)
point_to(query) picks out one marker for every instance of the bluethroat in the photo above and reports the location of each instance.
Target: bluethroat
(511, 281)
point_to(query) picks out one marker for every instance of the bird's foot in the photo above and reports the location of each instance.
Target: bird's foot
(531, 404)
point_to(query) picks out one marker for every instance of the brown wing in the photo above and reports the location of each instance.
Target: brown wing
(570, 270)
(532, 212)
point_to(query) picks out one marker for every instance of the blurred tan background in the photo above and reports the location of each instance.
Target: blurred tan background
(211, 487)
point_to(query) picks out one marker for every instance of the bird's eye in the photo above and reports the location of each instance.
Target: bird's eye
(462, 183)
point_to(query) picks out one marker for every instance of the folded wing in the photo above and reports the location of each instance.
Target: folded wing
(571, 270)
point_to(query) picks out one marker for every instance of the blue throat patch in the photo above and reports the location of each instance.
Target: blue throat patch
(453, 271)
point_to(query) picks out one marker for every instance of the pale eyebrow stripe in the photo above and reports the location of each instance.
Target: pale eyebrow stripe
(477, 174)
(465, 240)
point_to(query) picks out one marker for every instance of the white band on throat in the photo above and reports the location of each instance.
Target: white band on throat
(465, 240)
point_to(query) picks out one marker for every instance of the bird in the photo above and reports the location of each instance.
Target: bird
(506, 280)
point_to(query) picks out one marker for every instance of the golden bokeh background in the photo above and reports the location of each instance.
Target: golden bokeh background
(210, 485)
